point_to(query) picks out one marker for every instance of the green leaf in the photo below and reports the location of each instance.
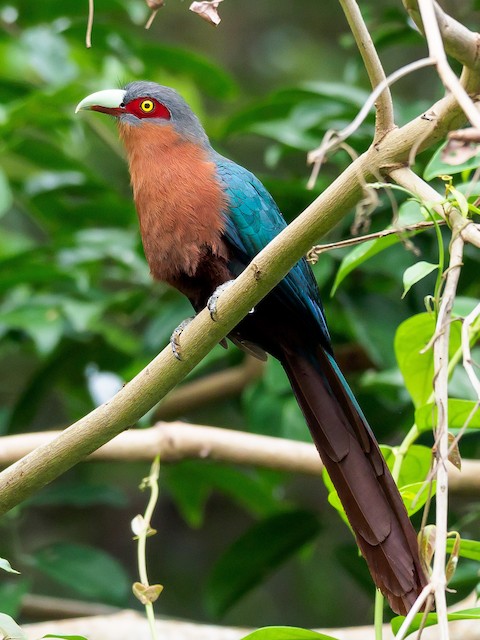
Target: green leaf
(10, 629)
(411, 338)
(415, 273)
(191, 483)
(415, 495)
(286, 633)
(256, 554)
(437, 167)
(6, 198)
(468, 548)
(12, 593)
(90, 572)
(459, 411)
(49, 635)
(6, 566)
(410, 213)
(415, 466)
(431, 619)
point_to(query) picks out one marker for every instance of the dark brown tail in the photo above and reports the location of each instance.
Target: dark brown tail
(361, 477)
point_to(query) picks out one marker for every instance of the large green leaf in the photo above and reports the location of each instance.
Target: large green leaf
(192, 482)
(90, 572)
(459, 411)
(431, 619)
(409, 213)
(259, 551)
(286, 633)
(416, 363)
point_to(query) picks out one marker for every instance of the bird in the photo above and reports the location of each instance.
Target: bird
(203, 218)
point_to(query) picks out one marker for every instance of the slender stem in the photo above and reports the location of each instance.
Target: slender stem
(88, 36)
(378, 617)
(402, 450)
(152, 483)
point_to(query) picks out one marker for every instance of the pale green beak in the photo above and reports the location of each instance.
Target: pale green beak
(108, 101)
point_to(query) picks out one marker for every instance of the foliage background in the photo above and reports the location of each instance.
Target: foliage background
(79, 314)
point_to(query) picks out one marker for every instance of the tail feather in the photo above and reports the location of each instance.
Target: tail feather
(360, 474)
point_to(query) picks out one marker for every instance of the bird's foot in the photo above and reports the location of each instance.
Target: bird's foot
(212, 301)
(175, 338)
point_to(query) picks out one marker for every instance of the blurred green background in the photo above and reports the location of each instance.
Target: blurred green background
(79, 314)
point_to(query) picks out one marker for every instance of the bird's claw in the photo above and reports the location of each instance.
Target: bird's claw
(212, 301)
(175, 338)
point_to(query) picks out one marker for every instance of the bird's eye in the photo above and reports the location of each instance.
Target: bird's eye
(147, 106)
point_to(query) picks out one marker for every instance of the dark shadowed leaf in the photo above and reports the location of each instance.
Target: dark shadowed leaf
(252, 557)
(90, 572)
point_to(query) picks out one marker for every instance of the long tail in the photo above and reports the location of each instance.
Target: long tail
(360, 474)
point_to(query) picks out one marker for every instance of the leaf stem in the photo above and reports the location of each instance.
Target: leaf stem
(378, 618)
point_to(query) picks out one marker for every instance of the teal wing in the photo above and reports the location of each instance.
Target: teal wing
(252, 221)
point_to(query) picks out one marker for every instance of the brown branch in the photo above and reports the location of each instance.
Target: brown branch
(208, 389)
(179, 441)
(315, 251)
(384, 105)
(458, 41)
(465, 228)
(88, 35)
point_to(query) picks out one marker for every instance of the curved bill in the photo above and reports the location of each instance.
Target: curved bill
(107, 101)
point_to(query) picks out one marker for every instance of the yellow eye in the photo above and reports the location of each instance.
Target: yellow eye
(147, 106)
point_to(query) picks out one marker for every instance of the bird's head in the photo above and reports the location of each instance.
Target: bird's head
(144, 102)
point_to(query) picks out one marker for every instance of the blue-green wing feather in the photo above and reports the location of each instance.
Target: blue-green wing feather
(252, 221)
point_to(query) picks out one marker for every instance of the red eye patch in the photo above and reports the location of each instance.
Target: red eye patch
(147, 108)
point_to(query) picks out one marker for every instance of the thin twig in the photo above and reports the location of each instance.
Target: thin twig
(332, 139)
(312, 255)
(440, 355)
(437, 52)
(417, 605)
(468, 230)
(468, 362)
(88, 37)
(459, 42)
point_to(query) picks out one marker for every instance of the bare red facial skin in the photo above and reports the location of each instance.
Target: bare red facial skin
(155, 109)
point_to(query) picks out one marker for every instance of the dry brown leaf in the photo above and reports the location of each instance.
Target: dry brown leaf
(454, 454)
(458, 151)
(146, 595)
(208, 10)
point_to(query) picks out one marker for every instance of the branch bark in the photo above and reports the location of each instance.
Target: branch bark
(384, 105)
(179, 441)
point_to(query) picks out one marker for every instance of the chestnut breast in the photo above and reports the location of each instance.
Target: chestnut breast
(177, 197)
